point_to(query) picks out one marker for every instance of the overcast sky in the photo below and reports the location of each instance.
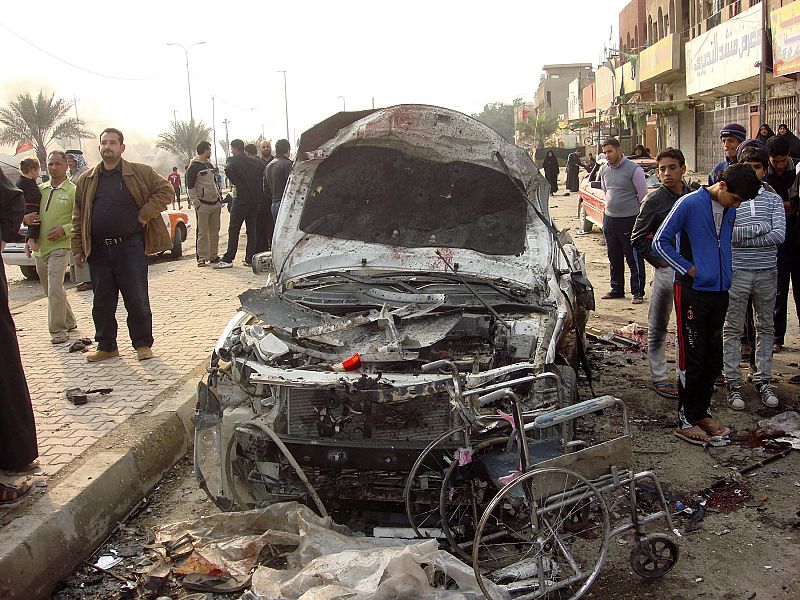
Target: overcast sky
(459, 55)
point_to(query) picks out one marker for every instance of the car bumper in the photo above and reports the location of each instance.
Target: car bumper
(14, 254)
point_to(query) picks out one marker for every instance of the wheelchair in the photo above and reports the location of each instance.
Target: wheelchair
(529, 509)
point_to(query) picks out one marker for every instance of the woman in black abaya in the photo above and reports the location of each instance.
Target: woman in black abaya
(550, 167)
(18, 447)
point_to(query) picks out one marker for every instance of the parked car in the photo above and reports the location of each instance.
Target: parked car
(405, 235)
(592, 202)
(177, 223)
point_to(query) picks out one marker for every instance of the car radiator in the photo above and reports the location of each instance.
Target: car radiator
(415, 419)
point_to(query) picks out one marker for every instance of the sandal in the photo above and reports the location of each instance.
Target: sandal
(59, 338)
(12, 494)
(693, 435)
(666, 389)
(712, 428)
(794, 379)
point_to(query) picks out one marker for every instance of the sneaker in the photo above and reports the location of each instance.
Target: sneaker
(611, 296)
(735, 400)
(201, 263)
(223, 264)
(768, 397)
(99, 355)
(637, 300)
(144, 353)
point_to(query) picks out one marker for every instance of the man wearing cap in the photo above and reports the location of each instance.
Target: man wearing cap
(731, 136)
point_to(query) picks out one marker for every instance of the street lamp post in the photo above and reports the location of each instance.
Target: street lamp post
(188, 79)
(285, 103)
(344, 104)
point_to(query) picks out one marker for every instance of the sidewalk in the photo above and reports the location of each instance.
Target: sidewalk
(190, 307)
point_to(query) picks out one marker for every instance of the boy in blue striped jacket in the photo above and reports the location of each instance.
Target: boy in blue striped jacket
(695, 240)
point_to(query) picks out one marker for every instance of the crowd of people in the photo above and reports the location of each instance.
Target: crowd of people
(106, 220)
(722, 257)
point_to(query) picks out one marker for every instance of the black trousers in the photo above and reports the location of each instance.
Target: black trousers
(788, 270)
(700, 317)
(617, 231)
(114, 270)
(17, 426)
(247, 213)
(265, 227)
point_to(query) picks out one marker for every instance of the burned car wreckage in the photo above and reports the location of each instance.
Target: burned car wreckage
(405, 236)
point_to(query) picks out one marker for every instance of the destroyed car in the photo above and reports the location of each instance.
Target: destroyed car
(406, 235)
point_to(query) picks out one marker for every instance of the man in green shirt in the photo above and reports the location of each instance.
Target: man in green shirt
(52, 257)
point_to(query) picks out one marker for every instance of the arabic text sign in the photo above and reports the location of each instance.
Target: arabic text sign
(724, 54)
(785, 23)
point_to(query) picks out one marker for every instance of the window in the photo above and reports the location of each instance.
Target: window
(548, 99)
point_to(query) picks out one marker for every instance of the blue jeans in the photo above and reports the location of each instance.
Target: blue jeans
(759, 287)
(114, 270)
(617, 231)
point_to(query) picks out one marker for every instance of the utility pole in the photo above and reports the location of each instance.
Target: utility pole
(344, 104)
(77, 118)
(214, 130)
(188, 79)
(373, 102)
(285, 102)
(227, 142)
(174, 115)
(762, 72)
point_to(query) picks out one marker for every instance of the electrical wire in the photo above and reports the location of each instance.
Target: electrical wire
(73, 65)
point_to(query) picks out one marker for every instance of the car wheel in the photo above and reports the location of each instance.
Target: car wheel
(586, 224)
(29, 272)
(177, 241)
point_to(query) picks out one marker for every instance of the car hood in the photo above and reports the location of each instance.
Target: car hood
(434, 141)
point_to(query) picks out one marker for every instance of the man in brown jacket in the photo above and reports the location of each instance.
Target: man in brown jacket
(116, 223)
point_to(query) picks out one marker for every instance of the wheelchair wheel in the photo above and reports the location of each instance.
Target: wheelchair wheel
(654, 556)
(424, 481)
(465, 492)
(530, 544)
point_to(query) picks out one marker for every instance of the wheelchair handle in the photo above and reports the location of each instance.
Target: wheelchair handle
(495, 395)
(568, 413)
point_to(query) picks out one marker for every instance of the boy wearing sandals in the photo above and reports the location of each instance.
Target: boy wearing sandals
(760, 226)
(655, 208)
(695, 240)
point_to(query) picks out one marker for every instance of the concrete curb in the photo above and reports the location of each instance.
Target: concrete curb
(45, 545)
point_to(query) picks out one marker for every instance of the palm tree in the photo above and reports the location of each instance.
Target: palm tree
(39, 120)
(182, 139)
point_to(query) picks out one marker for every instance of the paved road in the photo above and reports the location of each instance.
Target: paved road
(190, 308)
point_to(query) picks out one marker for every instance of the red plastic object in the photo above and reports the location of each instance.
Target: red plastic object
(352, 363)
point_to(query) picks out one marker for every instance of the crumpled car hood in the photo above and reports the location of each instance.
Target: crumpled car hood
(421, 132)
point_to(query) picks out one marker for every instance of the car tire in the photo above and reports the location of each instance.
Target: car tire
(586, 224)
(29, 272)
(177, 241)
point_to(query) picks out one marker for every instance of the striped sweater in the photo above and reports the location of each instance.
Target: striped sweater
(759, 227)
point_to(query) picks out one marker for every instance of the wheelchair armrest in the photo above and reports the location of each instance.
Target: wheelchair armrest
(436, 365)
(568, 413)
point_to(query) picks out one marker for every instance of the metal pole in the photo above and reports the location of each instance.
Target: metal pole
(227, 142)
(344, 104)
(762, 72)
(285, 103)
(188, 78)
(189, 85)
(214, 130)
(75, 103)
